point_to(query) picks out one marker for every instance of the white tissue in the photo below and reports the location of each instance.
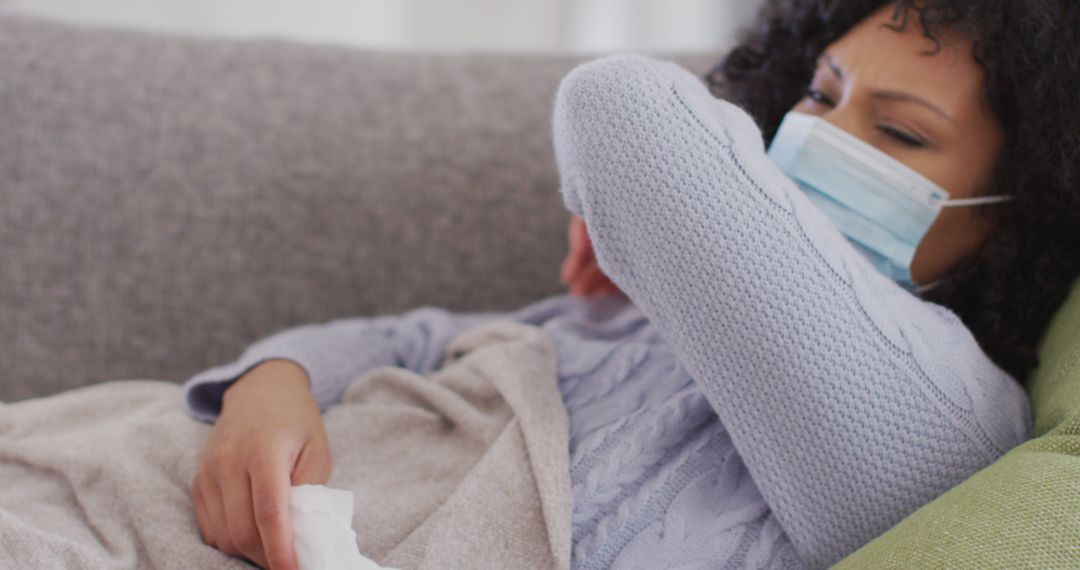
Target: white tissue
(322, 530)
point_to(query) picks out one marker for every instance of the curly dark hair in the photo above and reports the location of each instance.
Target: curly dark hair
(1007, 291)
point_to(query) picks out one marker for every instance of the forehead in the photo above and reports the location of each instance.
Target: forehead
(877, 57)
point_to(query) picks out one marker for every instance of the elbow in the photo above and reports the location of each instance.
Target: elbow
(601, 118)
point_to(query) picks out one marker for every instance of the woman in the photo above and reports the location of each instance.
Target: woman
(777, 387)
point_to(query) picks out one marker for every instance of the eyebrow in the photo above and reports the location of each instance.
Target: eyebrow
(909, 98)
(890, 95)
(833, 65)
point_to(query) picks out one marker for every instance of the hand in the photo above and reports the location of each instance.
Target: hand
(580, 269)
(270, 436)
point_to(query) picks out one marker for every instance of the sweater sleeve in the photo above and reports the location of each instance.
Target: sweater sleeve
(851, 401)
(334, 353)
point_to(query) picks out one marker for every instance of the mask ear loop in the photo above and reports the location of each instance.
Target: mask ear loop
(961, 202)
(920, 289)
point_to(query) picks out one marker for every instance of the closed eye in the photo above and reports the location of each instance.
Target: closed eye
(819, 97)
(902, 137)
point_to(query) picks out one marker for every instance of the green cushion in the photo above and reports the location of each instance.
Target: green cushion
(1023, 511)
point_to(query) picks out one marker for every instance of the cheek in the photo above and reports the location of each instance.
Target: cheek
(955, 234)
(968, 168)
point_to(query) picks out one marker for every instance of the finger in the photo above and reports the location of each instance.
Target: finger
(216, 510)
(573, 263)
(271, 494)
(583, 242)
(201, 516)
(578, 254)
(214, 518)
(577, 224)
(603, 290)
(586, 239)
(236, 495)
(608, 284)
(579, 262)
(597, 281)
(584, 281)
(576, 235)
(604, 286)
(568, 268)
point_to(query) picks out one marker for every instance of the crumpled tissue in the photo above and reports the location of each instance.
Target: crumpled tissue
(322, 530)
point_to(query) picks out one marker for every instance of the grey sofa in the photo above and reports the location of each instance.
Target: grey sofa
(166, 201)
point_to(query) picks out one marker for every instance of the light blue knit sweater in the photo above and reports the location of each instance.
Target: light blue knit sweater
(768, 400)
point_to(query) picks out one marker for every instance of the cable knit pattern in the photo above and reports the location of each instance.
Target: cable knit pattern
(851, 401)
(767, 400)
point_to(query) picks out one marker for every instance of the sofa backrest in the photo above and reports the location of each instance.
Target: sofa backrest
(166, 201)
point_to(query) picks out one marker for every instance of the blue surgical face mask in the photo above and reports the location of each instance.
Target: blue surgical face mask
(881, 205)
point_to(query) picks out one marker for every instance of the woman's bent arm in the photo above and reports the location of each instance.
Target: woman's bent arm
(851, 401)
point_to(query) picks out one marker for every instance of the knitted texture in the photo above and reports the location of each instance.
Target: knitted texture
(767, 400)
(1021, 511)
(655, 479)
(851, 401)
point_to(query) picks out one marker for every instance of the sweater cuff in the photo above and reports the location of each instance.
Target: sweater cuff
(205, 392)
(331, 354)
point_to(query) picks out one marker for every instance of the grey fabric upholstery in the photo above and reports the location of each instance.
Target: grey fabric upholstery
(166, 201)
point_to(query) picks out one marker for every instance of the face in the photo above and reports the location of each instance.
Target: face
(927, 111)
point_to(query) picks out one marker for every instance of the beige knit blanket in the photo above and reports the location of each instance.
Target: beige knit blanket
(465, 467)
